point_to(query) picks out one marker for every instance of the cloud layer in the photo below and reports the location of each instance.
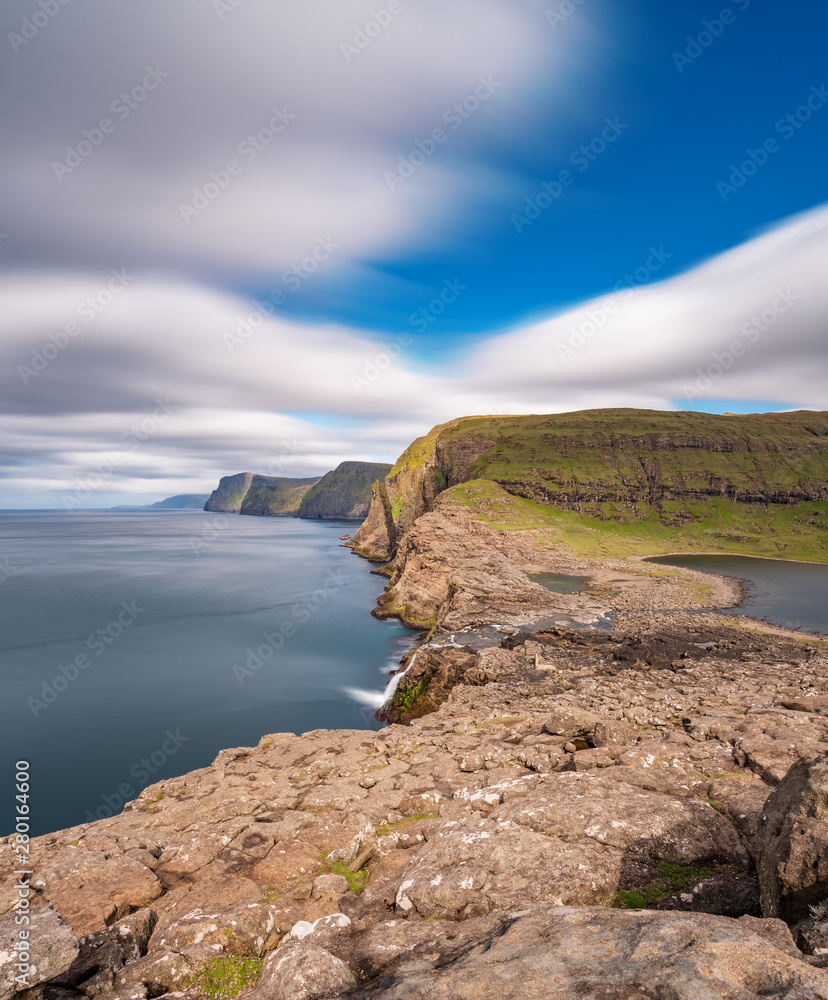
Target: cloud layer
(167, 165)
(173, 384)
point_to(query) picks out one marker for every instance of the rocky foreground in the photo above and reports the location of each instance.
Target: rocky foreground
(570, 812)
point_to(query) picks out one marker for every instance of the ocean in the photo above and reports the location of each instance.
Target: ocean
(136, 646)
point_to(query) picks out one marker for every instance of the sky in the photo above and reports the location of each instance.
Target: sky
(271, 236)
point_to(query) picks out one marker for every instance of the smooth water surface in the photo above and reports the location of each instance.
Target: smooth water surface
(135, 646)
(791, 594)
(557, 583)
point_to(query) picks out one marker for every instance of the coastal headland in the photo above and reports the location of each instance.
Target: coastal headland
(611, 793)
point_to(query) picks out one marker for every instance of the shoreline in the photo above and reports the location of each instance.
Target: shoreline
(728, 555)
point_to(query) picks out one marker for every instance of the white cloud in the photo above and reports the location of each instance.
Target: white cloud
(322, 174)
(285, 401)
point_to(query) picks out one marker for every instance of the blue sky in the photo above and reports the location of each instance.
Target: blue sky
(273, 237)
(655, 186)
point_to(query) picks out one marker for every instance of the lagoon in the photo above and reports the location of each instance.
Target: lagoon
(791, 594)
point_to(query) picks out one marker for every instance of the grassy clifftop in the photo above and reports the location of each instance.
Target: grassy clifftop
(642, 481)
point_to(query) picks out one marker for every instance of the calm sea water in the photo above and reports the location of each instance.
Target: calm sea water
(785, 593)
(134, 647)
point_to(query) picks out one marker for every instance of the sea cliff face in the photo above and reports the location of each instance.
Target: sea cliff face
(230, 493)
(274, 496)
(754, 484)
(343, 493)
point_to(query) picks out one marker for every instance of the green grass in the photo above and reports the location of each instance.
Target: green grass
(224, 976)
(787, 531)
(401, 825)
(356, 880)
(406, 697)
(642, 482)
(673, 878)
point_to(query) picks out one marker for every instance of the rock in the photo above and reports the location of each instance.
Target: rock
(155, 973)
(610, 733)
(586, 760)
(103, 953)
(812, 938)
(776, 931)
(299, 971)
(286, 862)
(600, 807)
(596, 954)
(91, 891)
(815, 703)
(792, 843)
(52, 949)
(325, 932)
(729, 894)
(566, 721)
(343, 493)
(248, 927)
(335, 885)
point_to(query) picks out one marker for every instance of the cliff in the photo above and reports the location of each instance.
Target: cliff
(343, 493)
(620, 481)
(248, 493)
(275, 496)
(230, 493)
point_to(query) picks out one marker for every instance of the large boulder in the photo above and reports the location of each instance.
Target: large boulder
(792, 842)
(300, 971)
(52, 949)
(606, 954)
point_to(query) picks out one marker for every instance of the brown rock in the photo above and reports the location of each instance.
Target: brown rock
(91, 891)
(610, 733)
(53, 949)
(299, 971)
(792, 841)
(287, 862)
(596, 954)
(566, 721)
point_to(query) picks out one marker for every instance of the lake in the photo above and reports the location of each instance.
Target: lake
(135, 646)
(786, 593)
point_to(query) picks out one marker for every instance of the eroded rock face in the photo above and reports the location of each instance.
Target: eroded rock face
(792, 842)
(595, 954)
(53, 949)
(90, 895)
(345, 492)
